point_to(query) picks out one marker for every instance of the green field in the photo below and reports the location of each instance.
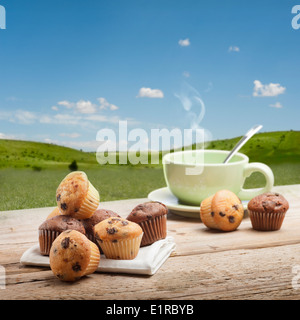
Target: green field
(30, 172)
(25, 188)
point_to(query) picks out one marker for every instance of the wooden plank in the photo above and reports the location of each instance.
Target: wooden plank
(237, 274)
(244, 264)
(190, 235)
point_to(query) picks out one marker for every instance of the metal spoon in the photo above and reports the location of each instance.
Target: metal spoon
(242, 141)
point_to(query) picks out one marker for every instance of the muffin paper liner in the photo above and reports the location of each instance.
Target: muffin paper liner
(266, 221)
(121, 249)
(90, 204)
(91, 237)
(94, 240)
(94, 259)
(154, 229)
(46, 239)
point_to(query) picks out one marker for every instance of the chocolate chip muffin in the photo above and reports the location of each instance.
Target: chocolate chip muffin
(76, 196)
(50, 229)
(267, 211)
(207, 215)
(228, 210)
(222, 211)
(152, 218)
(98, 216)
(73, 256)
(119, 238)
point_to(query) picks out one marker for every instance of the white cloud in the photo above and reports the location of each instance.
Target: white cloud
(24, 117)
(267, 90)
(103, 118)
(113, 107)
(7, 136)
(86, 106)
(80, 120)
(83, 106)
(277, 105)
(48, 140)
(70, 135)
(184, 42)
(234, 49)
(66, 104)
(150, 93)
(104, 104)
(45, 119)
(83, 120)
(66, 119)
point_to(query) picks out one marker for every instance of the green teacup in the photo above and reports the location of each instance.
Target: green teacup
(194, 175)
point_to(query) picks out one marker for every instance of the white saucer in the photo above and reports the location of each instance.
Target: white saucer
(165, 196)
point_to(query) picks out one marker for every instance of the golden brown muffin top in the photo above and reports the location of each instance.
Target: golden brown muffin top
(147, 211)
(227, 210)
(269, 202)
(70, 255)
(115, 228)
(71, 192)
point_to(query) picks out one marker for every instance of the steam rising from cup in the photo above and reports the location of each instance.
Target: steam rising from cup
(194, 106)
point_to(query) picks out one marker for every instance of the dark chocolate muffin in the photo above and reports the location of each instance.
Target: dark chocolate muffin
(267, 211)
(152, 217)
(98, 216)
(50, 229)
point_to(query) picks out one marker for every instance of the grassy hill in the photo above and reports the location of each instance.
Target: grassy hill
(280, 150)
(20, 154)
(30, 171)
(268, 147)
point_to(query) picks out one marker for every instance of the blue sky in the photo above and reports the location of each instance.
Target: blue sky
(71, 68)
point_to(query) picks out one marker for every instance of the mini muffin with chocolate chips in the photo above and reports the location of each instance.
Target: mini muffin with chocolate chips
(50, 229)
(267, 211)
(222, 211)
(76, 196)
(73, 256)
(119, 238)
(206, 214)
(152, 218)
(98, 216)
(228, 210)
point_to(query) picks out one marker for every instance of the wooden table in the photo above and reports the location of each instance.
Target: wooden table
(244, 264)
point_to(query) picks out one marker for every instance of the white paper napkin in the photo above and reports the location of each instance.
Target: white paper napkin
(148, 260)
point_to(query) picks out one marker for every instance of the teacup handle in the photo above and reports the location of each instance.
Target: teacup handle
(247, 194)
